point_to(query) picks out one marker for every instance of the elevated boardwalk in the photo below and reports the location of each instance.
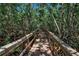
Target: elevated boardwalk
(40, 42)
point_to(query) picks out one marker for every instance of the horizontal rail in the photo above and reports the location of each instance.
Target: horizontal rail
(9, 47)
(4, 50)
(66, 47)
(27, 47)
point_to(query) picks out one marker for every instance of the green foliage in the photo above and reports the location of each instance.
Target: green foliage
(62, 19)
(7, 40)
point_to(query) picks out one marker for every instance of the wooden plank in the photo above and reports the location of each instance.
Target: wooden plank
(9, 47)
(66, 47)
(40, 48)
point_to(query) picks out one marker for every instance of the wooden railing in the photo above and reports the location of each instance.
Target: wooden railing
(65, 47)
(5, 50)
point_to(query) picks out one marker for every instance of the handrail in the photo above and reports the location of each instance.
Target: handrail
(9, 47)
(65, 46)
(4, 50)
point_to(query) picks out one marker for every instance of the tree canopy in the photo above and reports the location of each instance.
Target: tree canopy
(16, 20)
